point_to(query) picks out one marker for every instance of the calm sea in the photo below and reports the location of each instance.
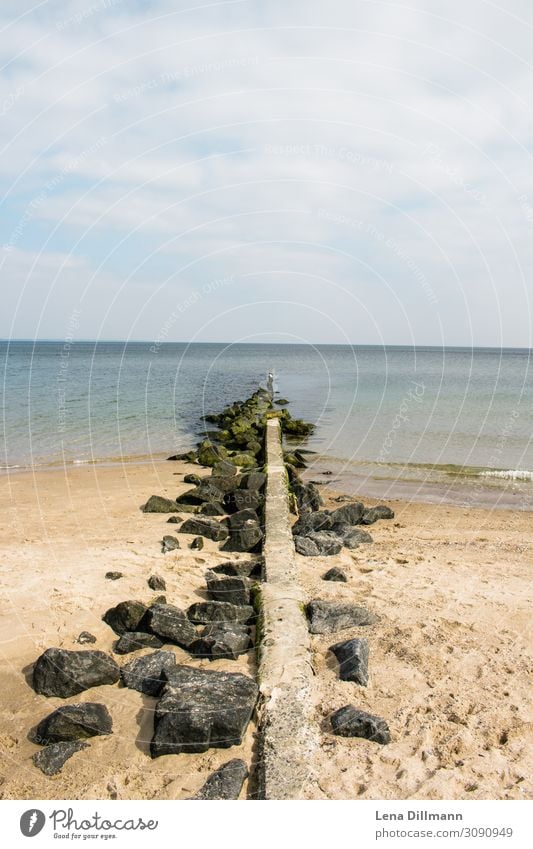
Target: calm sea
(406, 417)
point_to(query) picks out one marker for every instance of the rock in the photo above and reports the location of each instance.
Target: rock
(175, 520)
(327, 542)
(156, 582)
(374, 513)
(159, 504)
(59, 672)
(187, 456)
(224, 468)
(114, 576)
(212, 508)
(351, 514)
(170, 624)
(245, 532)
(234, 589)
(197, 544)
(196, 480)
(327, 617)
(253, 480)
(170, 543)
(205, 612)
(225, 783)
(85, 637)
(307, 496)
(222, 639)
(281, 402)
(205, 527)
(243, 499)
(309, 522)
(53, 758)
(244, 461)
(209, 454)
(135, 641)
(74, 722)
(348, 721)
(145, 673)
(356, 538)
(211, 489)
(306, 547)
(335, 574)
(242, 569)
(200, 709)
(353, 660)
(126, 616)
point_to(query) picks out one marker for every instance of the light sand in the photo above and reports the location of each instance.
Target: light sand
(449, 656)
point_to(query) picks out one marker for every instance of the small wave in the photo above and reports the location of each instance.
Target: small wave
(508, 474)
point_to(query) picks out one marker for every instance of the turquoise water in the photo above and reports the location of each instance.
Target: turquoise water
(388, 412)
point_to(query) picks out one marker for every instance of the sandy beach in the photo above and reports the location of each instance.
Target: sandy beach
(449, 657)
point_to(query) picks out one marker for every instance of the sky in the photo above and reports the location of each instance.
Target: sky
(261, 171)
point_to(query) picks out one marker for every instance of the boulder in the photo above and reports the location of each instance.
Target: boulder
(125, 616)
(353, 660)
(205, 612)
(53, 758)
(175, 520)
(244, 461)
(239, 568)
(197, 544)
(74, 722)
(201, 709)
(356, 538)
(327, 617)
(335, 574)
(234, 589)
(85, 637)
(245, 532)
(209, 454)
(212, 508)
(222, 639)
(306, 547)
(351, 514)
(159, 504)
(156, 582)
(194, 479)
(225, 783)
(327, 542)
(63, 673)
(349, 721)
(224, 468)
(253, 480)
(136, 640)
(374, 513)
(309, 522)
(307, 497)
(187, 456)
(169, 543)
(170, 624)
(145, 673)
(205, 527)
(243, 499)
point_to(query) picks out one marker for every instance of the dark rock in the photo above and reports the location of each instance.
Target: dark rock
(243, 460)
(225, 783)
(170, 624)
(194, 479)
(306, 547)
(53, 758)
(137, 640)
(187, 456)
(281, 402)
(351, 514)
(85, 637)
(224, 468)
(353, 660)
(170, 543)
(234, 589)
(245, 532)
(63, 673)
(341, 499)
(205, 527)
(209, 454)
(307, 496)
(309, 522)
(243, 499)
(357, 538)
(222, 639)
(145, 673)
(74, 722)
(335, 574)
(200, 710)
(175, 520)
(197, 544)
(374, 513)
(156, 582)
(253, 480)
(205, 612)
(327, 542)
(159, 599)
(327, 617)
(242, 569)
(348, 721)
(212, 508)
(159, 504)
(125, 616)
(114, 576)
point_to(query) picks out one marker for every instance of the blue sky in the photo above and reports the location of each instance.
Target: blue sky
(344, 172)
